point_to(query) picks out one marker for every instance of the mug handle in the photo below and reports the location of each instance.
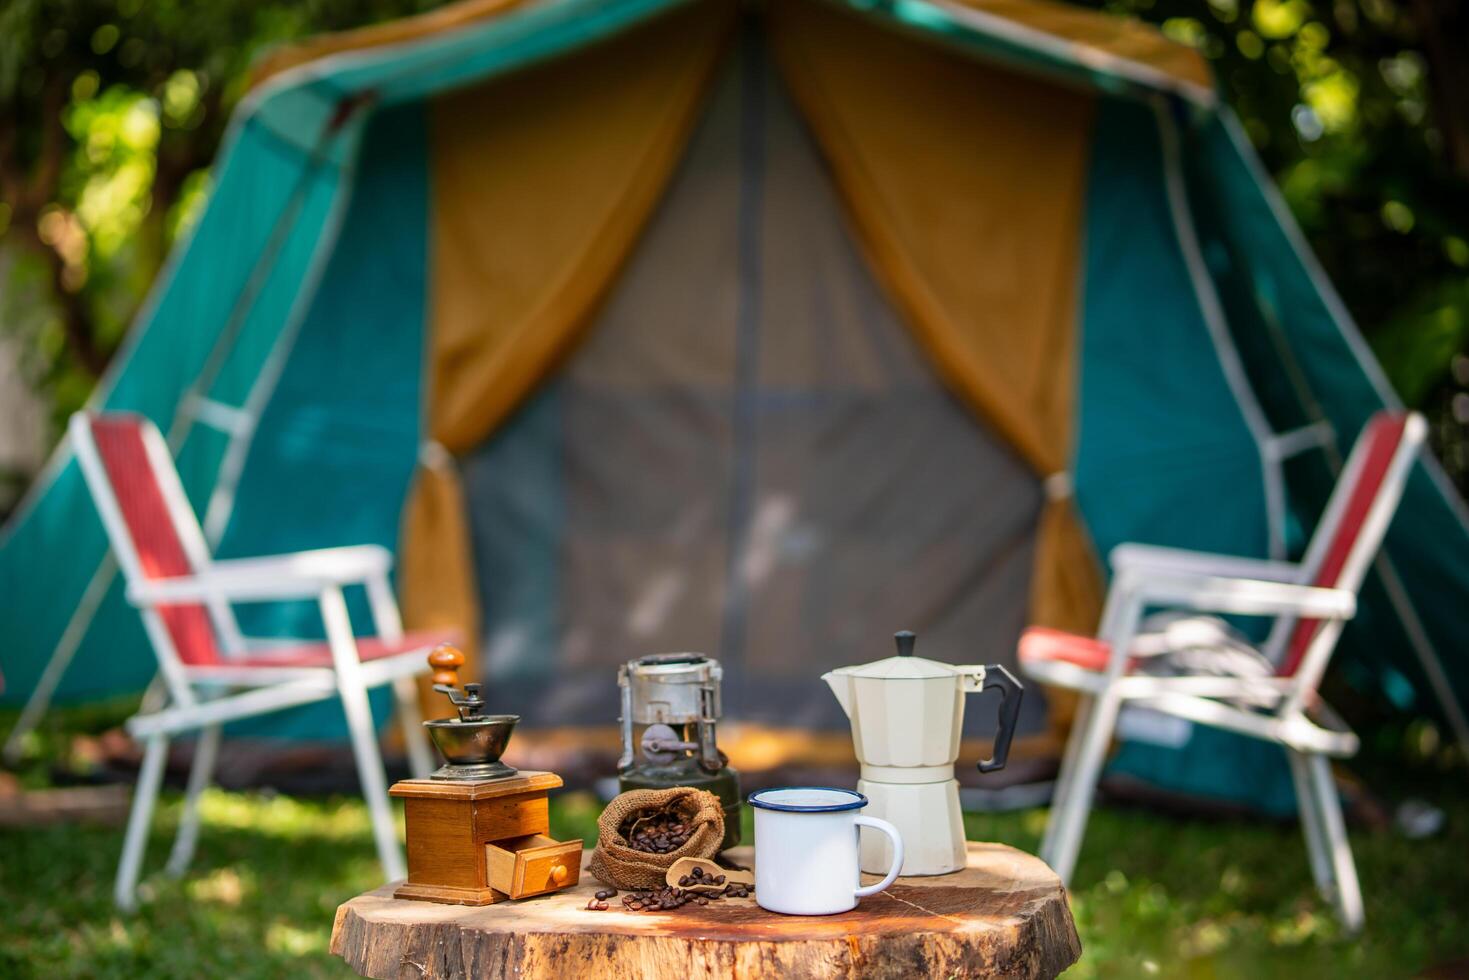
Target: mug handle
(897, 840)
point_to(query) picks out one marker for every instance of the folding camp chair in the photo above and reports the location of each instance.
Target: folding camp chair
(210, 673)
(1310, 602)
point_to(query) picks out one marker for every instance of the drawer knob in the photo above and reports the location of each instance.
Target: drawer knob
(558, 873)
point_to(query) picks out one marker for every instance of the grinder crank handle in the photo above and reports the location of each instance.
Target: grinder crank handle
(446, 660)
(1011, 691)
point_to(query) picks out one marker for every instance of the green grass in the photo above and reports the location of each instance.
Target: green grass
(1155, 895)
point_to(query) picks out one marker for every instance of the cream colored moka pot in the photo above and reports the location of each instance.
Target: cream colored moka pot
(907, 714)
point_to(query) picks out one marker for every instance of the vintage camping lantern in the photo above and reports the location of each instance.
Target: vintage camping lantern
(675, 698)
(907, 714)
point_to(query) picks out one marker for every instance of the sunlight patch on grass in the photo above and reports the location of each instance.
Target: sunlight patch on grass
(290, 940)
(223, 887)
(1233, 881)
(1305, 925)
(284, 816)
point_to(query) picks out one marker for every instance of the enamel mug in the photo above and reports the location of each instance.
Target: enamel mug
(806, 850)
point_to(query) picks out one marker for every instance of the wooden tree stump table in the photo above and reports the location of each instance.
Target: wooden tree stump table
(1005, 915)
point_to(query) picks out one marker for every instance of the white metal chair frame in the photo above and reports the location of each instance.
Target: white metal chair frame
(1148, 577)
(205, 697)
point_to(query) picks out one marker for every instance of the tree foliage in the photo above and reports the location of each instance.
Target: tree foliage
(1360, 109)
(110, 111)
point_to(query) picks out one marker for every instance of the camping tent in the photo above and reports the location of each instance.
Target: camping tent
(643, 324)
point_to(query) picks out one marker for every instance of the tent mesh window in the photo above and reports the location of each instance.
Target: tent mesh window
(747, 456)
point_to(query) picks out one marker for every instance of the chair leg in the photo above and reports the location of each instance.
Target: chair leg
(201, 773)
(1081, 785)
(374, 779)
(1310, 815)
(1061, 793)
(1348, 891)
(420, 753)
(135, 841)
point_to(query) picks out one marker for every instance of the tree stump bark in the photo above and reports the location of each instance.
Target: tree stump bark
(1005, 915)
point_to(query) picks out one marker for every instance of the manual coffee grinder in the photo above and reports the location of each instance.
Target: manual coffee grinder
(674, 697)
(479, 830)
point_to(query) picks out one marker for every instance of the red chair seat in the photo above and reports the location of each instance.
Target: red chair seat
(1043, 643)
(320, 655)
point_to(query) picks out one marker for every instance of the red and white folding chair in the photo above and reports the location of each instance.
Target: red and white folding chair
(211, 674)
(1310, 603)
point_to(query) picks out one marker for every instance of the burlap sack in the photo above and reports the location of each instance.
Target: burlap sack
(621, 866)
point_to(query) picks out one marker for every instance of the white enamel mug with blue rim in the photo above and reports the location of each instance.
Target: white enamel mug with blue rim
(806, 850)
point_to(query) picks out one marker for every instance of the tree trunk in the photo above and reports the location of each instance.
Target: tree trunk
(1443, 28)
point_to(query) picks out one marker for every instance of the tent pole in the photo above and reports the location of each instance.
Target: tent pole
(1423, 648)
(220, 507)
(66, 648)
(743, 410)
(285, 223)
(1217, 327)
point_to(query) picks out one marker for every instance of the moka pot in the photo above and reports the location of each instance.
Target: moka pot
(907, 714)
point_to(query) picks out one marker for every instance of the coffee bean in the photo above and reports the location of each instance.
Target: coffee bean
(656, 831)
(697, 872)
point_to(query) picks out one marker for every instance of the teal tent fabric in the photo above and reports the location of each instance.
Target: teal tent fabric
(336, 445)
(335, 448)
(974, 29)
(1163, 454)
(1160, 436)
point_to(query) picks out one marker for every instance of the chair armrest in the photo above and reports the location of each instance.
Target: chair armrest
(1143, 559)
(1241, 596)
(341, 566)
(238, 587)
(302, 575)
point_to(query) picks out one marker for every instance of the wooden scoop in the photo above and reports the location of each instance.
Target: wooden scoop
(686, 866)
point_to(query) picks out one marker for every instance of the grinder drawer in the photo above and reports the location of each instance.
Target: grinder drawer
(532, 865)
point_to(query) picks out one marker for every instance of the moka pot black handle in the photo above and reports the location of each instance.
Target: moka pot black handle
(1011, 691)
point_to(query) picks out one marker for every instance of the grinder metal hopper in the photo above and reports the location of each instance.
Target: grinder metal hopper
(473, 742)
